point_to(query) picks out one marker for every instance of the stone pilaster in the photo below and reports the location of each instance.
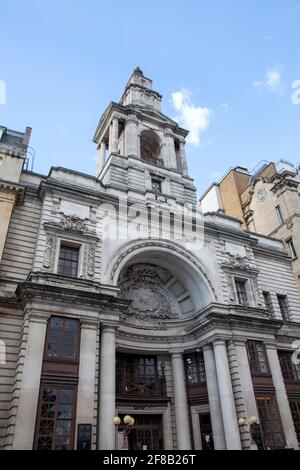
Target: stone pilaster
(246, 379)
(131, 136)
(170, 153)
(114, 135)
(87, 373)
(101, 157)
(30, 386)
(181, 404)
(281, 396)
(182, 154)
(232, 435)
(107, 392)
(214, 398)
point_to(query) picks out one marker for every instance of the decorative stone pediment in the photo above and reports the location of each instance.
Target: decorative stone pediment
(143, 284)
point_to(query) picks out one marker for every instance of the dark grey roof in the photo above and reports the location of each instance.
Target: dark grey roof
(12, 141)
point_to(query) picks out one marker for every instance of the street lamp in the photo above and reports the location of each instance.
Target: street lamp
(128, 424)
(253, 428)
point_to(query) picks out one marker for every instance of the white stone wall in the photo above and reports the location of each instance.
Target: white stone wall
(11, 334)
(276, 277)
(20, 243)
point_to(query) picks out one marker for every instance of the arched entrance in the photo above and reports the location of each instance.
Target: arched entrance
(167, 288)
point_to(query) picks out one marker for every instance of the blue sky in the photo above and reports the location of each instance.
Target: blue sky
(229, 66)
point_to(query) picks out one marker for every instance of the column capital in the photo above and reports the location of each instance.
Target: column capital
(108, 328)
(207, 347)
(118, 116)
(239, 341)
(102, 142)
(219, 342)
(168, 132)
(38, 317)
(131, 119)
(89, 323)
(177, 352)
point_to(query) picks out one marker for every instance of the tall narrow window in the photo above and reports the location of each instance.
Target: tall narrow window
(68, 260)
(150, 147)
(55, 423)
(138, 375)
(268, 302)
(290, 371)
(292, 248)
(295, 409)
(273, 437)
(257, 358)
(280, 215)
(241, 291)
(283, 305)
(156, 185)
(194, 368)
(62, 339)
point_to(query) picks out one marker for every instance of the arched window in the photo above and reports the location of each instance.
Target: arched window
(150, 147)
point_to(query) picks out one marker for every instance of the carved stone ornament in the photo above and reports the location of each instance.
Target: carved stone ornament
(144, 285)
(73, 223)
(239, 262)
(91, 260)
(49, 252)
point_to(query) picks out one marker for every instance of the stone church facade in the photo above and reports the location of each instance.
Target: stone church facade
(186, 337)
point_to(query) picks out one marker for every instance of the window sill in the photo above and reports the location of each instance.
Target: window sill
(61, 359)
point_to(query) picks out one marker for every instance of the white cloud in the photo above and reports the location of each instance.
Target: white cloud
(225, 107)
(273, 81)
(194, 118)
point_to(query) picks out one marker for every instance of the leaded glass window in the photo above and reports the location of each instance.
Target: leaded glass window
(194, 368)
(56, 418)
(257, 358)
(62, 338)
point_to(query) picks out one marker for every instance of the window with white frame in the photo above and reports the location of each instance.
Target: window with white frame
(280, 215)
(283, 305)
(68, 261)
(241, 291)
(292, 248)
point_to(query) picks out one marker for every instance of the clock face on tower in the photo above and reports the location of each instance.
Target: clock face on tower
(261, 195)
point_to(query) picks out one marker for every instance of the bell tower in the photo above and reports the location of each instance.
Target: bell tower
(140, 150)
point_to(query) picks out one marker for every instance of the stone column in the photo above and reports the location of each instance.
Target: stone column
(107, 389)
(181, 403)
(281, 396)
(232, 435)
(170, 152)
(246, 379)
(114, 136)
(182, 154)
(87, 376)
(214, 398)
(101, 157)
(30, 386)
(131, 136)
